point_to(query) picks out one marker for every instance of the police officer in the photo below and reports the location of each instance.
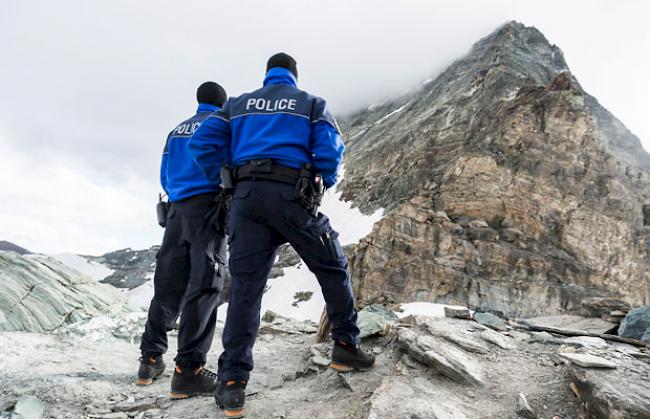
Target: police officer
(189, 267)
(274, 136)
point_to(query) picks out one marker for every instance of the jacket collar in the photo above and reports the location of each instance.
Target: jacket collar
(206, 107)
(280, 75)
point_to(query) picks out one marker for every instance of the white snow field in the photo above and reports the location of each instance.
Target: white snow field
(97, 271)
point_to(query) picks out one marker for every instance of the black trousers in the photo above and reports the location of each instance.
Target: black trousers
(187, 281)
(264, 215)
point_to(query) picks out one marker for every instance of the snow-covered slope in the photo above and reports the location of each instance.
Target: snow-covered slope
(350, 223)
(143, 294)
(95, 270)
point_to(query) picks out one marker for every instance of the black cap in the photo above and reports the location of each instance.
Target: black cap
(282, 60)
(212, 93)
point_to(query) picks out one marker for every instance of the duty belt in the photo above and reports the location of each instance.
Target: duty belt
(267, 169)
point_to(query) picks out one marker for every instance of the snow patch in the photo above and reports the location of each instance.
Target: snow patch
(351, 224)
(390, 114)
(358, 134)
(279, 296)
(95, 270)
(142, 295)
(427, 81)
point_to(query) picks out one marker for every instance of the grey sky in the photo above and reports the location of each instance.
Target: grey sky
(91, 88)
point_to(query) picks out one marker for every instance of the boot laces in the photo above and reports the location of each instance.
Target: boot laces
(355, 349)
(207, 373)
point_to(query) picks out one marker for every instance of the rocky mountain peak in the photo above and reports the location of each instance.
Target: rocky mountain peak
(451, 111)
(505, 184)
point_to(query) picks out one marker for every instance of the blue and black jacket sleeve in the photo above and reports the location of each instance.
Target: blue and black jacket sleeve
(326, 143)
(209, 143)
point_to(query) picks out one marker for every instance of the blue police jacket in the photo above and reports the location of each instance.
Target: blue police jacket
(180, 176)
(278, 121)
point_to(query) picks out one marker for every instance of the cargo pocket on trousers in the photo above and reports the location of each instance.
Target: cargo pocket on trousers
(331, 242)
(215, 282)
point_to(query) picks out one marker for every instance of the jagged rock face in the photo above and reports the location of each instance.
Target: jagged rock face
(507, 186)
(41, 294)
(132, 268)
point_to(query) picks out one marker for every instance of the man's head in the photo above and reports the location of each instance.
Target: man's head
(211, 93)
(282, 60)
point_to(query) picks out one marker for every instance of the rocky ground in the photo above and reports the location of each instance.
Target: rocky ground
(427, 367)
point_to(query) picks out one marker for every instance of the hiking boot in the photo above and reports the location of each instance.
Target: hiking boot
(188, 382)
(230, 397)
(346, 357)
(151, 367)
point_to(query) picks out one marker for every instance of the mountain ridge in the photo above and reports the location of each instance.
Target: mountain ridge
(503, 180)
(9, 246)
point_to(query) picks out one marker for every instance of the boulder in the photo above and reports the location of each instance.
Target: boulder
(445, 358)
(636, 324)
(458, 312)
(374, 320)
(612, 394)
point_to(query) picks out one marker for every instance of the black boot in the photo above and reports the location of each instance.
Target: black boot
(346, 357)
(151, 367)
(230, 397)
(188, 382)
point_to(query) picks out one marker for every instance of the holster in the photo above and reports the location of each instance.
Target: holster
(309, 190)
(227, 179)
(217, 217)
(308, 187)
(162, 210)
